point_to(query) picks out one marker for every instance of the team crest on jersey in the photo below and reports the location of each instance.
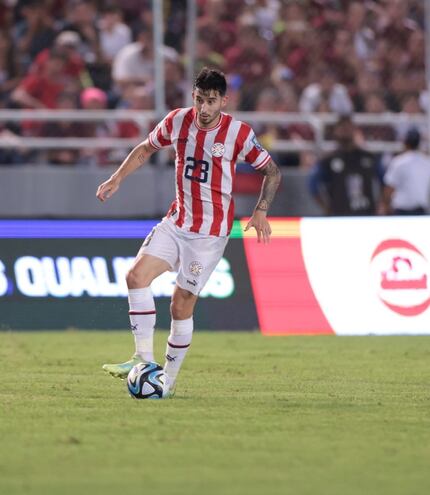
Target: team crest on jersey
(256, 143)
(218, 149)
(196, 268)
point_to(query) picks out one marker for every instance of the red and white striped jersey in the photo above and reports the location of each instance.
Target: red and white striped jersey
(205, 168)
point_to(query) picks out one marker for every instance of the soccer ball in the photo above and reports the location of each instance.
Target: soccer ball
(146, 381)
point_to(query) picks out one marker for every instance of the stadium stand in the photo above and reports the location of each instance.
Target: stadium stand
(291, 56)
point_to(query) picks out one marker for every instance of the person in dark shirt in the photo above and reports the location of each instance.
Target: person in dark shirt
(346, 181)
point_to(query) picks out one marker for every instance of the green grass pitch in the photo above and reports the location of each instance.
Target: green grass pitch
(252, 415)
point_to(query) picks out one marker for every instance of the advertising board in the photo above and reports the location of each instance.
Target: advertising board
(348, 276)
(344, 276)
(67, 274)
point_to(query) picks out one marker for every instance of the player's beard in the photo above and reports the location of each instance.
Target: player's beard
(209, 120)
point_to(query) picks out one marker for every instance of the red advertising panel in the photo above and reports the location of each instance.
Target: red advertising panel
(283, 295)
(348, 276)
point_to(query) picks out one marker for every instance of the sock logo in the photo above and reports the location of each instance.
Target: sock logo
(134, 328)
(170, 358)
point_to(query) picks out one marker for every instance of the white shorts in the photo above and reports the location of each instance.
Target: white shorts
(192, 255)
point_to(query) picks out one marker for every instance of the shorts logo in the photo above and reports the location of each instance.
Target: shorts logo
(218, 149)
(196, 268)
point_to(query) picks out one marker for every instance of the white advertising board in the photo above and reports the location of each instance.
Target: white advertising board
(370, 275)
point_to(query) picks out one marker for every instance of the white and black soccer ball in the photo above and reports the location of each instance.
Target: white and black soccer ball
(146, 381)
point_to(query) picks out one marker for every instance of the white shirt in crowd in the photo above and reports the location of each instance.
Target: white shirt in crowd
(409, 175)
(338, 99)
(130, 63)
(112, 41)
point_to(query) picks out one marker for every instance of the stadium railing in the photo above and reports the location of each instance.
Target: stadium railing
(318, 122)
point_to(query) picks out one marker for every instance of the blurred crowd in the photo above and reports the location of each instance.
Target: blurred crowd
(339, 56)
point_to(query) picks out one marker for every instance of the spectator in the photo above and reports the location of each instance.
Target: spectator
(409, 107)
(66, 44)
(345, 182)
(9, 77)
(249, 60)
(217, 24)
(33, 33)
(407, 180)
(114, 34)
(81, 18)
(362, 33)
(367, 82)
(41, 90)
(64, 129)
(136, 98)
(375, 46)
(374, 103)
(328, 91)
(394, 24)
(134, 64)
(95, 99)
(206, 56)
(9, 132)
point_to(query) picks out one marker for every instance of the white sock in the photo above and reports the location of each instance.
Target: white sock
(142, 319)
(181, 333)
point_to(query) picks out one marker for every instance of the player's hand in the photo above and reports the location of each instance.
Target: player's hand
(107, 189)
(261, 225)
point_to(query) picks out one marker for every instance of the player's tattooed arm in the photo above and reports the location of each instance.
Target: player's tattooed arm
(144, 151)
(136, 158)
(269, 187)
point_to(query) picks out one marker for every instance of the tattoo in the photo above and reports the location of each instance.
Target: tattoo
(269, 187)
(144, 151)
(262, 205)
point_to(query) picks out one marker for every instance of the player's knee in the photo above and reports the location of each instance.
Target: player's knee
(181, 308)
(136, 279)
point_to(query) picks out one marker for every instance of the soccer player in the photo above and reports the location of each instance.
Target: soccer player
(192, 237)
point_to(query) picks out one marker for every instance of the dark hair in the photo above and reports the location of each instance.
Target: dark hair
(412, 138)
(211, 79)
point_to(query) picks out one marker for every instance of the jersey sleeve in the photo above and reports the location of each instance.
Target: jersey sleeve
(253, 153)
(161, 135)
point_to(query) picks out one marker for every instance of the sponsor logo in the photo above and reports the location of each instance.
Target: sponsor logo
(133, 328)
(256, 143)
(401, 273)
(170, 358)
(192, 282)
(218, 149)
(98, 276)
(196, 268)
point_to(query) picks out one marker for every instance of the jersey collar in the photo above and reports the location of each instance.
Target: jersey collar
(208, 129)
